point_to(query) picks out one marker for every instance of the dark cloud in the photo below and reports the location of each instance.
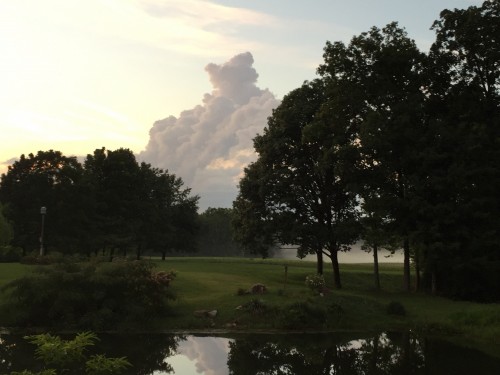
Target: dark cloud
(209, 145)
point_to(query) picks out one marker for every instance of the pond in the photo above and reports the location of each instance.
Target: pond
(245, 354)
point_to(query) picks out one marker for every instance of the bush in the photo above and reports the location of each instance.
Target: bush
(254, 306)
(10, 254)
(396, 308)
(51, 258)
(301, 315)
(316, 283)
(91, 295)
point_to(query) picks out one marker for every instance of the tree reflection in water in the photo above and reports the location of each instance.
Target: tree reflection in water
(279, 354)
(385, 353)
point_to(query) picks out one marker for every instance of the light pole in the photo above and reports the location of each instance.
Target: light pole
(43, 211)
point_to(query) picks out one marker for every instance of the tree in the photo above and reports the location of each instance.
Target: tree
(139, 206)
(172, 223)
(5, 229)
(380, 74)
(459, 203)
(216, 235)
(252, 225)
(302, 176)
(47, 179)
(114, 180)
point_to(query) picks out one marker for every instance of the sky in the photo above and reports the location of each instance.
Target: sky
(184, 84)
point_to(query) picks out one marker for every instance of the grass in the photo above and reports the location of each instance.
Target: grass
(213, 284)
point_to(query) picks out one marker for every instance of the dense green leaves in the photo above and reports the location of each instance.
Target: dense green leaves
(101, 296)
(110, 204)
(297, 191)
(403, 143)
(216, 234)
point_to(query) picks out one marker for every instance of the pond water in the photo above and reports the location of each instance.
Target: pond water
(245, 354)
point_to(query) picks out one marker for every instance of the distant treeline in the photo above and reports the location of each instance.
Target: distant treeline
(110, 205)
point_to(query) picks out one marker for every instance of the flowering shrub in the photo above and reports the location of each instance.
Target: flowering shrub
(315, 282)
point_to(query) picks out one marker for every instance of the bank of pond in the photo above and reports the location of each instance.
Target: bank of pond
(279, 353)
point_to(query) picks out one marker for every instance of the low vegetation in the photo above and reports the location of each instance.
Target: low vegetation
(285, 304)
(87, 295)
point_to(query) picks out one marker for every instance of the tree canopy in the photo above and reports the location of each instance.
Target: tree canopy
(393, 145)
(110, 203)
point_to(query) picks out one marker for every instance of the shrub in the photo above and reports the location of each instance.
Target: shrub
(301, 315)
(396, 308)
(9, 254)
(316, 283)
(254, 306)
(90, 296)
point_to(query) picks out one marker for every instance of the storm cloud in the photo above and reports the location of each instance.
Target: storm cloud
(209, 145)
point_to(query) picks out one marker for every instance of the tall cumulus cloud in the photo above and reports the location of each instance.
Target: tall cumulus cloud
(208, 146)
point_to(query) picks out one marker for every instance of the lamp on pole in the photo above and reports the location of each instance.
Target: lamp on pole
(43, 211)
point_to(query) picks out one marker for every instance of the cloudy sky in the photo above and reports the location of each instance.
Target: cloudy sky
(185, 84)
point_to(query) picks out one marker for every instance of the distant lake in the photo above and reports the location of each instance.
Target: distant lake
(355, 255)
(251, 354)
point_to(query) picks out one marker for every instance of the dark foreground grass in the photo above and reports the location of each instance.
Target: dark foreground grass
(218, 284)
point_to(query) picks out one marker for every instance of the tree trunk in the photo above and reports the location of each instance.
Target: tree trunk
(418, 284)
(433, 283)
(319, 263)
(336, 270)
(111, 253)
(406, 264)
(375, 267)
(138, 254)
(163, 255)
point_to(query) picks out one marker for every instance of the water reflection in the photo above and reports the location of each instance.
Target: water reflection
(339, 353)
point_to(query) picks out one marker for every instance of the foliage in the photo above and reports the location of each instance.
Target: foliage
(392, 145)
(101, 365)
(311, 314)
(297, 191)
(316, 283)
(110, 203)
(255, 306)
(396, 308)
(10, 254)
(216, 235)
(65, 356)
(6, 232)
(95, 295)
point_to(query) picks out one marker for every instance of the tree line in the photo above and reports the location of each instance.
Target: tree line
(392, 145)
(109, 205)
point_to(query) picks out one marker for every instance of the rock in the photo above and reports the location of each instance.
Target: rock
(258, 289)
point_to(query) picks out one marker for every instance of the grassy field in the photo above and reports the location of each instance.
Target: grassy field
(213, 284)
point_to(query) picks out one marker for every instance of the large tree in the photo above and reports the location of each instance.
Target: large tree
(379, 76)
(48, 179)
(138, 206)
(300, 182)
(459, 169)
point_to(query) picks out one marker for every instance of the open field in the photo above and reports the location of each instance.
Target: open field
(213, 284)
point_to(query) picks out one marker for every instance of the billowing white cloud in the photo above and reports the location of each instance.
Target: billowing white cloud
(208, 145)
